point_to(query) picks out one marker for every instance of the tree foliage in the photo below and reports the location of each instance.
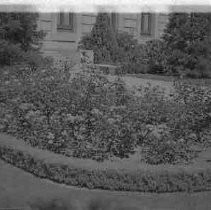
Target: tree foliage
(18, 35)
(101, 40)
(20, 28)
(186, 40)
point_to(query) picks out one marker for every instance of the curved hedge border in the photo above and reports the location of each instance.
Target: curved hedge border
(108, 179)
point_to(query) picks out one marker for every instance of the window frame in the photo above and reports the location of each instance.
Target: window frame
(63, 27)
(149, 31)
(114, 20)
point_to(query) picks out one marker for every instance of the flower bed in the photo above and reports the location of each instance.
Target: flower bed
(88, 116)
(92, 174)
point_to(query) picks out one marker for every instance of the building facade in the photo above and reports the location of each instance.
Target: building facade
(64, 30)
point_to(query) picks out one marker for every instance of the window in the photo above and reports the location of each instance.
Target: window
(87, 22)
(146, 22)
(114, 21)
(65, 21)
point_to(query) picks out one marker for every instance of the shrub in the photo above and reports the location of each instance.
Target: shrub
(101, 40)
(140, 58)
(34, 60)
(126, 47)
(174, 125)
(167, 150)
(113, 47)
(10, 53)
(202, 69)
(155, 56)
(186, 40)
(134, 68)
(196, 100)
(21, 28)
(56, 113)
(130, 54)
(18, 35)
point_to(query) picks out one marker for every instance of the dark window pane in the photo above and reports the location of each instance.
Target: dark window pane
(65, 21)
(146, 24)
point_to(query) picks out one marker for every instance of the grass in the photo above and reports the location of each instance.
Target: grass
(133, 82)
(107, 175)
(154, 77)
(131, 164)
(164, 78)
(19, 188)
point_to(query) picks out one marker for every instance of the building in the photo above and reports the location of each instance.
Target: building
(64, 30)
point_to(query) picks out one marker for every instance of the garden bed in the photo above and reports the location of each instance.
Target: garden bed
(106, 175)
(90, 117)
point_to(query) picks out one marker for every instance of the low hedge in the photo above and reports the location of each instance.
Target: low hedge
(30, 159)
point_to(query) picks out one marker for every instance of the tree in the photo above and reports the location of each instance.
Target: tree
(18, 35)
(186, 41)
(20, 28)
(101, 40)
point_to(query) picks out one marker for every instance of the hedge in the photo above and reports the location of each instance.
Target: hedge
(45, 164)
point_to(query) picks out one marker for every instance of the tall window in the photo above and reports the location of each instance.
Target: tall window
(65, 21)
(114, 20)
(146, 24)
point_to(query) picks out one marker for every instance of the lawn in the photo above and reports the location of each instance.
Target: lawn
(134, 82)
(132, 163)
(164, 78)
(51, 124)
(165, 82)
(119, 175)
(17, 188)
